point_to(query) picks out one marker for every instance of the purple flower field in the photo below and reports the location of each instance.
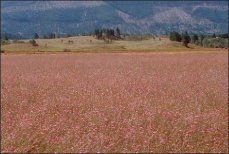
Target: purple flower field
(107, 102)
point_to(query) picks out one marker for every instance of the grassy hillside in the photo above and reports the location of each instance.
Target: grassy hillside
(90, 44)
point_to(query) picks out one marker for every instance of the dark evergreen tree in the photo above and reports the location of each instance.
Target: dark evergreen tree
(194, 38)
(96, 32)
(108, 33)
(68, 35)
(118, 32)
(51, 35)
(185, 39)
(104, 30)
(100, 34)
(178, 37)
(213, 36)
(175, 36)
(189, 38)
(35, 36)
(112, 32)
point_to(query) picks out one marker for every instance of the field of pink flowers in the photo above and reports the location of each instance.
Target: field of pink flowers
(106, 102)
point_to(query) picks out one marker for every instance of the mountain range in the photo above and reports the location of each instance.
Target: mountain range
(25, 18)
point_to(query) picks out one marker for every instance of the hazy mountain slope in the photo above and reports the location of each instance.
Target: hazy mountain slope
(16, 6)
(155, 17)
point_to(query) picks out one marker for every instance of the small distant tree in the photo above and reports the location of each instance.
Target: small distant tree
(96, 32)
(118, 32)
(201, 39)
(189, 38)
(5, 37)
(185, 39)
(213, 36)
(33, 42)
(175, 36)
(112, 32)
(194, 38)
(35, 36)
(100, 34)
(51, 35)
(108, 33)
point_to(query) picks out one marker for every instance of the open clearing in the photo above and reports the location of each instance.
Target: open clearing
(115, 102)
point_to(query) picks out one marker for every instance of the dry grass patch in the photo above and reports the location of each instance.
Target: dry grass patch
(83, 43)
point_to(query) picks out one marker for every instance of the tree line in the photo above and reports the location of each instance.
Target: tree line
(107, 33)
(184, 37)
(210, 42)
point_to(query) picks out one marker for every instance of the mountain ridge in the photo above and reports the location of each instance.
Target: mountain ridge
(152, 17)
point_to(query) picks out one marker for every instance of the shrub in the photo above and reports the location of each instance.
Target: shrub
(215, 43)
(206, 43)
(3, 42)
(222, 42)
(67, 50)
(33, 42)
